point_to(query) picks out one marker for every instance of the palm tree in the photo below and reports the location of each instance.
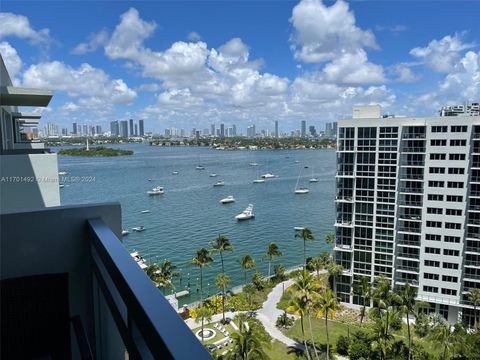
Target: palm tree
(443, 334)
(271, 254)
(384, 301)
(330, 238)
(299, 305)
(306, 235)
(326, 306)
(165, 274)
(365, 290)
(204, 314)
(381, 338)
(334, 269)
(220, 245)
(408, 306)
(201, 259)
(249, 291)
(222, 281)
(246, 344)
(306, 286)
(474, 297)
(316, 264)
(247, 263)
(152, 272)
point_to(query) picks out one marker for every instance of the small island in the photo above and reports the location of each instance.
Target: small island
(95, 151)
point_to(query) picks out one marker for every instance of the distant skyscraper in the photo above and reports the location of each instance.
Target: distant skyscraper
(136, 130)
(312, 130)
(64, 132)
(182, 132)
(141, 127)
(75, 130)
(276, 128)
(85, 130)
(234, 130)
(114, 128)
(251, 131)
(222, 130)
(205, 132)
(212, 129)
(131, 127)
(304, 128)
(98, 130)
(123, 128)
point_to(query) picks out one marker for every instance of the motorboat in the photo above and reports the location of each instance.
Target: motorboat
(298, 228)
(151, 179)
(246, 214)
(228, 199)
(268, 175)
(61, 173)
(213, 175)
(125, 232)
(219, 183)
(158, 190)
(258, 181)
(200, 167)
(61, 186)
(138, 228)
(138, 259)
(145, 211)
(313, 180)
(302, 190)
(253, 164)
(174, 172)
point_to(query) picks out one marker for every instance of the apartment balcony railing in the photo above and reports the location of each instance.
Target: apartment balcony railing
(472, 276)
(472, 262)
(409, 255)
(476, 164)
(146, 321)
(343, 247)
(411, 177)
(473, 235)
(401, 280)
(413, 149)
(407, 268)
(473, 207)
(411, 190)
(415, 230)
(413, 163)
(474, 249)
(475, 179)
(410, 217)
(474, 193)
(341, 222)
(344, 173)
(344, 198)
(409, 243)
(476, 136)
(410, 203)
(473, 222)
(413, 136)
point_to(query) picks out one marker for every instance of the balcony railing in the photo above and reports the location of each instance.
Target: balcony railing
(413, 163)
(474, 249)
(411, 203)
(409, 229)
(409, 243)
(474, 193)
(411, 190)
(410, 217)
(409, 255)
(414, 149)
(472, 276)
(407, 268)
(472, 262)
(473, 235)
(147, 323)
(413, 136)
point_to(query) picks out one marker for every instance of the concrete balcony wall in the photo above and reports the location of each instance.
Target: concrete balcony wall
(28, 182)
(55, 240)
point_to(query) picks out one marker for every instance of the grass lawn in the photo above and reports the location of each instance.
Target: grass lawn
(279, 351)
(335, 329)
(218, 335)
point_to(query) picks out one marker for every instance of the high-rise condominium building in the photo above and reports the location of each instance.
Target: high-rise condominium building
(141, 127)
(131, 127)
(408, 207)
(304, 128)
(123, 128)
(222, 130)
(75, 129)
(276, 128)
(114, 128)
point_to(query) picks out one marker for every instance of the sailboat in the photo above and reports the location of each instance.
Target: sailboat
(258, 180)
(313, 179)
(301, 190)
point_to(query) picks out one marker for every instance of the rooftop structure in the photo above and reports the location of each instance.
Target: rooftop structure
(469, 109)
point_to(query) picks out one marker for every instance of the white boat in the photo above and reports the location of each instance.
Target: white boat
(219, 183)
(301, 190)
(213, 175)
(174, 172)
(200, 167)
(61, 186)
(61, 173)
(313, 180)
(258, 181)
(253, 164)
(156, 191)
(125, 232)
(145, 211)
(298, 228)
(228, 199)
(268, 175)
(246, 214)
(138, 228)
(138, 259)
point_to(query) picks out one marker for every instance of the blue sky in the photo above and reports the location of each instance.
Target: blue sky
(189, 64)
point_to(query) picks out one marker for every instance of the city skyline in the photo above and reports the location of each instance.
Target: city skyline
(311, 61)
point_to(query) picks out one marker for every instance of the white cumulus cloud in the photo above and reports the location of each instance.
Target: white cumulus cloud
(95, 41)
(19, 26)
(12, 61)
